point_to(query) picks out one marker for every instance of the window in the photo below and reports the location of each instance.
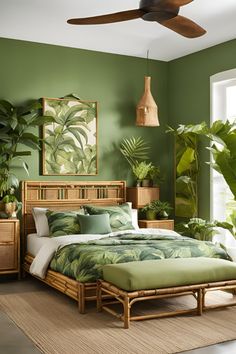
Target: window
(223, 106)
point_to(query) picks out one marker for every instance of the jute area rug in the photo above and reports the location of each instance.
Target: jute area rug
(52, 322)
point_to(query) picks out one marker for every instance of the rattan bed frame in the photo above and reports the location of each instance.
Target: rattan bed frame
(69, 195)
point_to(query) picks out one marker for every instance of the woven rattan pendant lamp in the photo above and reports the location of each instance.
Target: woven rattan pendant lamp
(146, 110)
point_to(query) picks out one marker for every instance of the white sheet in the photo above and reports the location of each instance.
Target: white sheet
(35, 242)
(45, 254)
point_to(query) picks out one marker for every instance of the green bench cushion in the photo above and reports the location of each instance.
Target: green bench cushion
(155, 274)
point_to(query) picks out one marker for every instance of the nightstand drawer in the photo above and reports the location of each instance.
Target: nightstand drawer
(10, 246)
(7, 232)
(157, 224)
(8, 257)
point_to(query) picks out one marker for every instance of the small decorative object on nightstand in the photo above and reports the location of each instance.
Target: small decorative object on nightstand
(9, 246)
(157, 224)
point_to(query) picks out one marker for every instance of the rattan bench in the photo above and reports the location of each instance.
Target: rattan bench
(131, 282)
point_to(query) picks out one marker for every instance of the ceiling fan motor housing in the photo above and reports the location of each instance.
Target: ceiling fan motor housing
(155, 10)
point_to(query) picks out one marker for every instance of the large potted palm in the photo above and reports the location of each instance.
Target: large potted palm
(17, 125)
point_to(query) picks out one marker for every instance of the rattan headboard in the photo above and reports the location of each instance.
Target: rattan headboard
(58, 195)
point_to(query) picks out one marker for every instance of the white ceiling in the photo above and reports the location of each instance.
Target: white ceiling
(44, 21)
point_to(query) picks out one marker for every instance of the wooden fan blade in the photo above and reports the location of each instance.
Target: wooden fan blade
(183, 26)
(110, 18)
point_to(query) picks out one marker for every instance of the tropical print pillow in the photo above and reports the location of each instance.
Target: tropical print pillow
(120, 215)
(63, 223)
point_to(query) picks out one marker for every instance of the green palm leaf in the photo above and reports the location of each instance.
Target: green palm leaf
(134, 149)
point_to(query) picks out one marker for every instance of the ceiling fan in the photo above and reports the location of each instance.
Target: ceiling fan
(165, 12)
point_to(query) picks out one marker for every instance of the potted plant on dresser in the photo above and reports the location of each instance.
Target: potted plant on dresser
(140, 171)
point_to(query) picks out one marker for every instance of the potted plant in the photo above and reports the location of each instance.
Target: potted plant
(162, 209)
(157, 210)
(201, 229)
(135, 151)
(140, 170)
(150, 213)
(16, 124)
(12, 206)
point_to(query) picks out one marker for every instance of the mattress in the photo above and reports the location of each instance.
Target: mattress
(34, 243)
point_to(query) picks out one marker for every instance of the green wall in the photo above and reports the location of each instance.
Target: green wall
(189, 99)
(181, 88)
(31, 70)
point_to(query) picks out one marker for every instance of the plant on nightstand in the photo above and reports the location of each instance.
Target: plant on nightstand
(12, 206)
(157, 210)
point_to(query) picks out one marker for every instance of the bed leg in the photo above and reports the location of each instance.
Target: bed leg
(81, 297)
(199, 301)
(203, 299)
(99, 296)
(126, 312)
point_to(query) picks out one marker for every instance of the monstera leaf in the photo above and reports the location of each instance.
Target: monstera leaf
(224, 151)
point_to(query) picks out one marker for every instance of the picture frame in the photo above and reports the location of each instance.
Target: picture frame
(70, 142)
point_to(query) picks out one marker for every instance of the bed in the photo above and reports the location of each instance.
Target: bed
(70, 195)
(119, 247)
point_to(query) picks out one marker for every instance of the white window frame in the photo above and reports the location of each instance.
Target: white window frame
(218, 84)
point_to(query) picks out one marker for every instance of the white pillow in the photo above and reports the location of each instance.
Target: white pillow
(41, 221)
(134, 216)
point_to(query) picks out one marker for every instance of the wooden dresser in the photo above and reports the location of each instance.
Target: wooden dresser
(9, 246)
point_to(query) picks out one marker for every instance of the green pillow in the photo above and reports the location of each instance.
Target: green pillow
(63, 223)
(94, 224)
(120, 215)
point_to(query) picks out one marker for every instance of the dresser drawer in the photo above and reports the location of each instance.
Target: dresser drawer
(7, 232)
(8, 257)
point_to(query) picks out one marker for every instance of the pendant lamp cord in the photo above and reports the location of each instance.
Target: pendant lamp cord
(148, 62)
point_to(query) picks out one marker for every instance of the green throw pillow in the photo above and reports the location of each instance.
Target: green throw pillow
(94, 224)
(120, 215)
(63, 223)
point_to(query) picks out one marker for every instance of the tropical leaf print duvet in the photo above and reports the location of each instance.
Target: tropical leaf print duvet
(84, 261)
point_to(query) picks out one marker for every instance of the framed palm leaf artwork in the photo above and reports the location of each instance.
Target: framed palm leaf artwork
(70, 142)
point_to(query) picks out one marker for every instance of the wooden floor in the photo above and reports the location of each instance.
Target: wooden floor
(13, 340)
